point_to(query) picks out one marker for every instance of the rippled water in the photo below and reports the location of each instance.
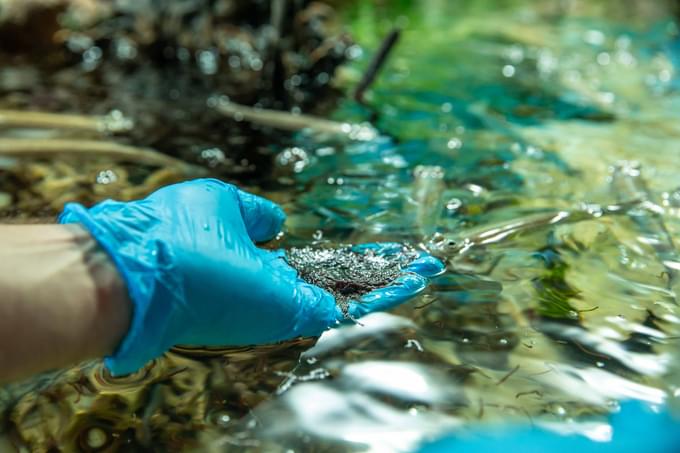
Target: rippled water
(535, 150)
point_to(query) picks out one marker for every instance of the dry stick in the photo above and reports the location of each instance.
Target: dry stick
(376, 64)
(99, 124)
(278, 13)
(47, 148)
(292, 122)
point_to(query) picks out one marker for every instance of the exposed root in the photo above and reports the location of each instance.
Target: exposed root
(112, 123)
(50, 148)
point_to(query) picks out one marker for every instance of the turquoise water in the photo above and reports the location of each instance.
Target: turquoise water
(554, 129)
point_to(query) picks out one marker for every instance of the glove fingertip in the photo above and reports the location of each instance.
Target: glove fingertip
(404, 288)
(263, 218)
(427, 266)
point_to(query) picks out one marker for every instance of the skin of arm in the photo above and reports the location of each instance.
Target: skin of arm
(61, 299)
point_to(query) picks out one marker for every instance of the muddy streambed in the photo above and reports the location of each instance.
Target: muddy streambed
(533, 148)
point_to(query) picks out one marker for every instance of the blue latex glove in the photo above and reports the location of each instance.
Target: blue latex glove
(195, 276)
(635, 429)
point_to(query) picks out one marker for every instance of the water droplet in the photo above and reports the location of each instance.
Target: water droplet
(96, 438)
(91, 58)
(234, 61)
(414, 344)
(221, 419)
(665, 75)
(508, 70)
(559, 410)
(183, 54)
(454, 143)
(256, 64)
(603, 58)
(594, 37)
(453, 204)
(206, 227)
(295, 158)
(208, 61)
(353, 52)
(125, 48)
(106, 177)
(213, 157)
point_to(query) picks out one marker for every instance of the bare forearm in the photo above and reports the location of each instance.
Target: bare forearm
(61, 299)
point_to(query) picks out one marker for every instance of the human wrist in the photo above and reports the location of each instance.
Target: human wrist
(113, 306)
(63, 301)
(98, 294)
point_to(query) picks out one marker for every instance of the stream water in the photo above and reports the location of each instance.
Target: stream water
(535, 150)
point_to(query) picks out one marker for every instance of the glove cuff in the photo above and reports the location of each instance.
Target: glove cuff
(145, 267)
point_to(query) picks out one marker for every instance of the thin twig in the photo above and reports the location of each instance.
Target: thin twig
(376, 64)
(538, 393)
(419, 307)
(507, 376)
(112, 123)
(589, 352)
(48, 148)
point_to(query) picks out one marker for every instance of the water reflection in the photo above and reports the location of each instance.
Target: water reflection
(560, 299)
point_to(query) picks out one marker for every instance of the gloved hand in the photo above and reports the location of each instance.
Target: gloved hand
(195, 277)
